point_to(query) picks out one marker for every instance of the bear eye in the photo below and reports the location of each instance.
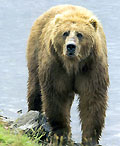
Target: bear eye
(79, 35)
(65, 34)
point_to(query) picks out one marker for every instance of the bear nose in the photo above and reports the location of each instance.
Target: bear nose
(71, 47)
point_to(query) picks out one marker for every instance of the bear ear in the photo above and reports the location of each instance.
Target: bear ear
(93, 22)
(57, 18)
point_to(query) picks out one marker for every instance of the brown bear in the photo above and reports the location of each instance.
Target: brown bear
(67, 55)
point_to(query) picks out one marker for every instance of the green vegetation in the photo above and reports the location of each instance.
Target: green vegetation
(8, 138)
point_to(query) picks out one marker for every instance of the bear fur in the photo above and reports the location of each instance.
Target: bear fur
(55, 77)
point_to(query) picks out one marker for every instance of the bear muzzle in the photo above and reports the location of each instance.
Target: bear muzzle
(71, 47)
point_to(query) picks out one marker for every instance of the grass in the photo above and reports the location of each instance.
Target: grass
(8, 138)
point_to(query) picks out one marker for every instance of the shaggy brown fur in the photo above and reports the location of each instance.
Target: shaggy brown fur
(54, 77)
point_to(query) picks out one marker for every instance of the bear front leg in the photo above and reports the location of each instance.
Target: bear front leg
(34, 93)
(92, 114)
(57, 109)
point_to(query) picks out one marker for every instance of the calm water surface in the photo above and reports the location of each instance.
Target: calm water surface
(16, 19)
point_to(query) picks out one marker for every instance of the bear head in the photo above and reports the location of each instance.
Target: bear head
(74, 37)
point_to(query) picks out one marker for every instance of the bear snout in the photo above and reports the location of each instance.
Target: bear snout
(71, 47)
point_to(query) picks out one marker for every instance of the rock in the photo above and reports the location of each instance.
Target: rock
(35, 124)
(32, 123)
(31, 119)
(6, 121)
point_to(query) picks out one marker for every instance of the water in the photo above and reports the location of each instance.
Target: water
(16, 19)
